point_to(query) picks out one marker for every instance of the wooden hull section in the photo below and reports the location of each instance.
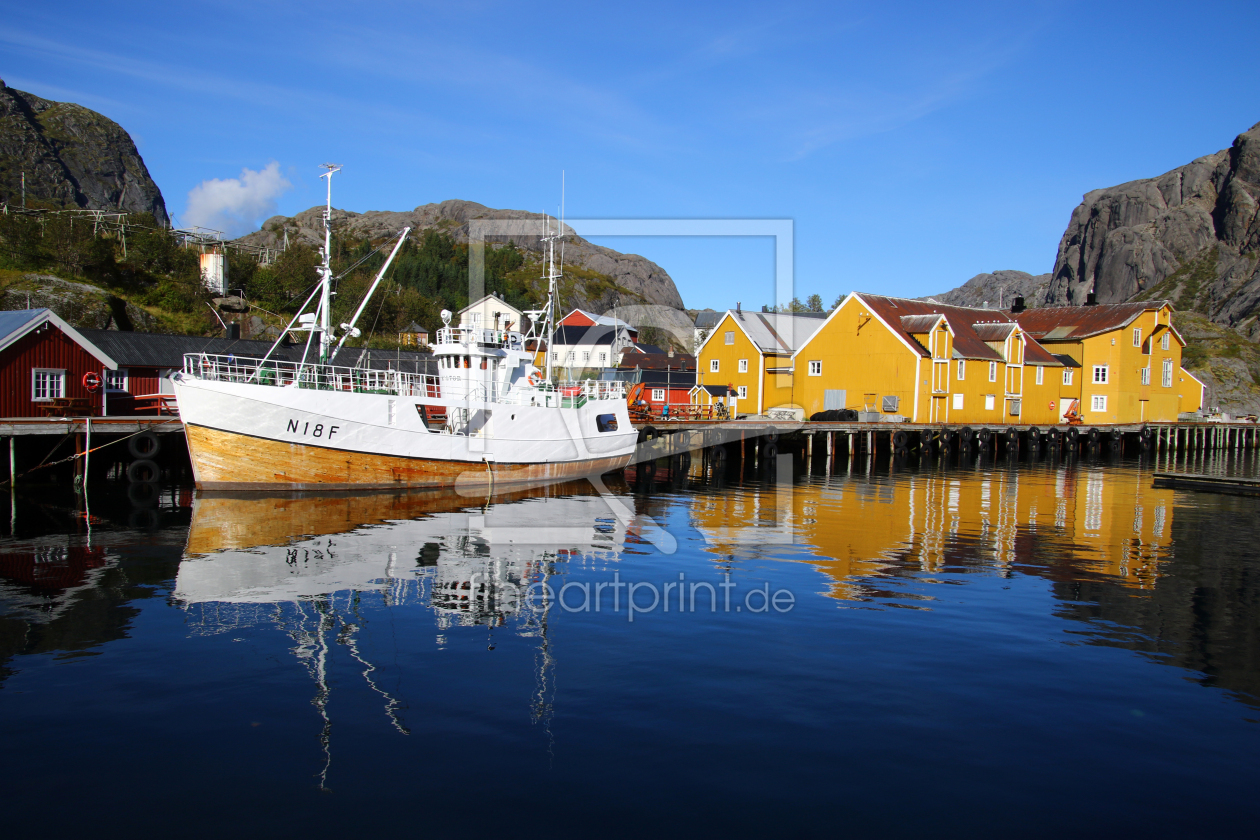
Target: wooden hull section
(251, 519)
(231, 461)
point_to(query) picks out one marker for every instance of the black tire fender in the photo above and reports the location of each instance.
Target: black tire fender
(142, 471)
(144, 445)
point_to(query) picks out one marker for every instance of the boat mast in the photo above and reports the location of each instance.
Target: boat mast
(325, 291)
(552, 277)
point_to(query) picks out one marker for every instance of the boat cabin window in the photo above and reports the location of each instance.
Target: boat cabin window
(606, 422)
(467, 362)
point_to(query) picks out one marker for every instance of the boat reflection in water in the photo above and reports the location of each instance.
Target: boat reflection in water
(303, 563)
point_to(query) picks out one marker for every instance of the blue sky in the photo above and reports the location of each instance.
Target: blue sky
(913, 144)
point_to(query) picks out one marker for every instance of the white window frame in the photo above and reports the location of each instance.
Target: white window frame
(1098, 402)
(743, 392)
(730, 336)
(603, 359)
(990, 402)
(962, 369)
(570, 358)
(1164, 341)
(993, 371)
(555, 355)
(1067, 376)
(1146, 375)
(743, 366)
(1101, 374)
(47, 375)
(116, 380)
(1168, 373)
(586, 357)
(658, 395)
(958, 402)
(1137, 336)
(815, 367)
(1041, 375)
(713, 365)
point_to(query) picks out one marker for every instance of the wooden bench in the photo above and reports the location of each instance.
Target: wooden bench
(67, 407)
(160, 404)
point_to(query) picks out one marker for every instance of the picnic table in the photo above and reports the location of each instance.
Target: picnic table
(162, 404)
(67, 407)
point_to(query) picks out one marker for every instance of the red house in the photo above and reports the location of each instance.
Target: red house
(661, 388)
(43, 360)
(582, 318)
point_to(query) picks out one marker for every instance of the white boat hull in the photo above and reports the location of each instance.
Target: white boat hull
(248, 436)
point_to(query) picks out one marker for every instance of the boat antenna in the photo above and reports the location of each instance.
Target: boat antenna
(550, 239)
(325, 292)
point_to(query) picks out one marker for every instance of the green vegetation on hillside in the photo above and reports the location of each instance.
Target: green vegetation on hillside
(148, 267)
(1188, 282)
(1225, 360)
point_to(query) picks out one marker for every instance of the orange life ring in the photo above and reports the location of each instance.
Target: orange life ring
(1051, 404)
(535, 379)
(91, 381)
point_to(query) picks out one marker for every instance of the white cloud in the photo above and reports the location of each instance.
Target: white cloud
(236, 206)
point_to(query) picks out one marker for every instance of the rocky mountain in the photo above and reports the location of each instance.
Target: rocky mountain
(1191, 235)
(80, 304)
(632, 279)
(72, 157)
(997, 290)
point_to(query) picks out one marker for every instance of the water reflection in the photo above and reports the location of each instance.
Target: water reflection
(362, 619)
(1172, 574)
(304, 564)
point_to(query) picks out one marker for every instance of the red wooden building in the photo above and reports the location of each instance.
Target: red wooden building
(582, 318)
(43, 359)
(43, 362)
(665, 388)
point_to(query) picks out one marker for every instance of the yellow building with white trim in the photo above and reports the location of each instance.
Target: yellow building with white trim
(751, 353)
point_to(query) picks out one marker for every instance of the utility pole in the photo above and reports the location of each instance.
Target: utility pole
(23, 190)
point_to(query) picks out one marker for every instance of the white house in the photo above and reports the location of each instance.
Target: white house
(492, 312)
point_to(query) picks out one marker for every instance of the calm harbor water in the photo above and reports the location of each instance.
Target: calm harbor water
(1040, 649)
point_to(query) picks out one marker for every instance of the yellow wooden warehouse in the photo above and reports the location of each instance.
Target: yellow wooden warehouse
(751, 353)
(1130, 358)
(927, 362)
(930, 363)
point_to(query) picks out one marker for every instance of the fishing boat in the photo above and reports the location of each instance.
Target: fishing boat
(488, 416)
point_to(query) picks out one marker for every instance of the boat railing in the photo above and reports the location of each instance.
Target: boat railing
(564, 394)
(508, 339)
(283, 373)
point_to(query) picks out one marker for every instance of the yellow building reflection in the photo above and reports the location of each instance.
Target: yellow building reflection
(1063, 523)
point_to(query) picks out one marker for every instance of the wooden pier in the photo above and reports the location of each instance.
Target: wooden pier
(1234, 485)
(851, 439)
(23, 426)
